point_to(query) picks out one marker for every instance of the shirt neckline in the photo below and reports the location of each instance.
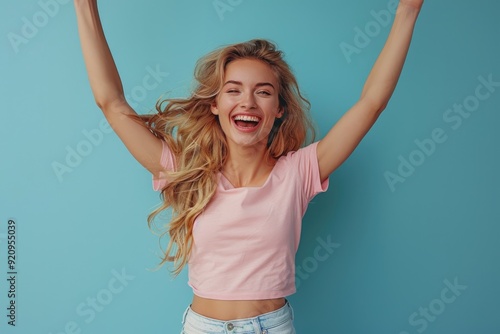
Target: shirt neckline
(227, 185)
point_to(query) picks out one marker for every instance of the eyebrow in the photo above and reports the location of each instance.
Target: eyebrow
(260, 84)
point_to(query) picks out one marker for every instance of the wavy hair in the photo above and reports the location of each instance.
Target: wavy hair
(194, 135)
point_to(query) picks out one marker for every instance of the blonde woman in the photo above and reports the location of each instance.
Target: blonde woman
(237, 163)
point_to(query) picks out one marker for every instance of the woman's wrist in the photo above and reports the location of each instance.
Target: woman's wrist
(412, 4)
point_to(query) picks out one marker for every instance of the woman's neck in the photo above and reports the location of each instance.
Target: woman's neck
(248, 166)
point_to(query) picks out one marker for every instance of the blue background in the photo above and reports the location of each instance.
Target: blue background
(396, 246)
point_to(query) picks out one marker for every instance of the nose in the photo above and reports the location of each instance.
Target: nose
(248, 101)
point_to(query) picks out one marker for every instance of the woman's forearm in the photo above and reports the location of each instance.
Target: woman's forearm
(385, 73)
(101, 69)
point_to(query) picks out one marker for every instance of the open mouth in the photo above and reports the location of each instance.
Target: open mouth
(246, 121)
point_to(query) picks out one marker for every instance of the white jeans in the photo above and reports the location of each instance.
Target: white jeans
(279, 321)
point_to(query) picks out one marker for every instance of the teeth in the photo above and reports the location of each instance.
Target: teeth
(246, 118)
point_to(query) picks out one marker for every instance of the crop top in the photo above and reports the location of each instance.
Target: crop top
(246, 239)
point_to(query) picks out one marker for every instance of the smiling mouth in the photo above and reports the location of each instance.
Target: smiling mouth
(246, 121)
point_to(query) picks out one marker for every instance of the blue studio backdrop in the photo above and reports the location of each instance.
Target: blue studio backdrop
(405, 241)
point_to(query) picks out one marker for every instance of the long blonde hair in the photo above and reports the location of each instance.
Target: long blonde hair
(196, 139)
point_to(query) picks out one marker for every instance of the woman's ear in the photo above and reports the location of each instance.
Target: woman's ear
(281, 111)
(213, 108)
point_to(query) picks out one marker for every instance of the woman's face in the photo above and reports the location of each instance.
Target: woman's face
(248, 103)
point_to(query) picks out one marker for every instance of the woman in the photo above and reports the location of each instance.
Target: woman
(230, 161)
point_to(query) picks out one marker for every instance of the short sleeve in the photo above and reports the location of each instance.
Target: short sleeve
(306, 160)
(167, 161)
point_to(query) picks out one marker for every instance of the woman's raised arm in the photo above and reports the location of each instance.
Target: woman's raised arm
(108, 90)
(346, 134)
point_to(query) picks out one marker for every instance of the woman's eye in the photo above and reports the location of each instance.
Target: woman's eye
(263, 92)
(232, 91)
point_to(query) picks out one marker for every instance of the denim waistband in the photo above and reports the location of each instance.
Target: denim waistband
(254, 324)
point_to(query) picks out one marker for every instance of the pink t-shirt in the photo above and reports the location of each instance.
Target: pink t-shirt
(246, 239)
